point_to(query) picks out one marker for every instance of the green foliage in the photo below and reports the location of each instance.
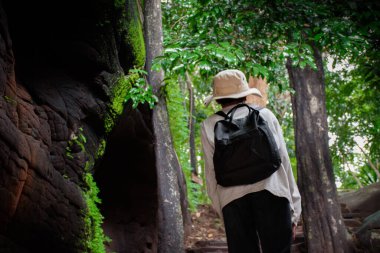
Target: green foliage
(130, 29)
(354, 99)
(141, 91)
(353, 107)
(364, 176)
(94, 235)
(253, 36)
(178, 119)
(353, 94)
(135, 38)
(201, 113)
(93, 238)
(258, 37)
(78, 140)
(119, 91)
(280, 105)
(101, 149)
(119, 4)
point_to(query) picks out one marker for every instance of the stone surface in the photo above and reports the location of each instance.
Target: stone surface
(364, 201)
(361, 212)
(59, 64)
(368, 234)
(128, 186)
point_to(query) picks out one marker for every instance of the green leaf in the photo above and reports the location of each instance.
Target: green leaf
(225, 45)
(318, 36)
(302, 64)
(204, 65)
(225, 55)
(171, 50)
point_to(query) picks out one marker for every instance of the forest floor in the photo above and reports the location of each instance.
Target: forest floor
(206, 226)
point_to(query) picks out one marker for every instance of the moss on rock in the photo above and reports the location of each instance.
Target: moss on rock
(131, 55)
(93, 219)
(131, 32)
(118, 93)
(135, 39)
(101, 149)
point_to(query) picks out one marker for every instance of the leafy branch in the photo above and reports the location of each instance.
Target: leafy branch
(141, 92)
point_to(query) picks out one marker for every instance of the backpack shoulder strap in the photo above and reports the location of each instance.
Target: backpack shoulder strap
(221, 113)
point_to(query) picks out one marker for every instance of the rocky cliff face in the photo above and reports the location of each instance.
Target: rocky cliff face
(62, 82)
(128, 186)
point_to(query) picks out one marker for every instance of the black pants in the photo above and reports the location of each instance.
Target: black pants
(258, 219)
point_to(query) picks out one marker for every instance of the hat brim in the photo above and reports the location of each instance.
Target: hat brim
(237, 95)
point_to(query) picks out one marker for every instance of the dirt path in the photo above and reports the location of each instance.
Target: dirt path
(206, 226)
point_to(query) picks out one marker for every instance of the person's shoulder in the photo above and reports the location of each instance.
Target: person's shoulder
(209, 120)
(268, 115)
(267, 111)
(264, 111)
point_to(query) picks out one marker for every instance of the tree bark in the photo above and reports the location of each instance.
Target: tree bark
(323, 223)
(171, 234)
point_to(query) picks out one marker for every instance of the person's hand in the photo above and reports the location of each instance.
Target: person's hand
(294, 228)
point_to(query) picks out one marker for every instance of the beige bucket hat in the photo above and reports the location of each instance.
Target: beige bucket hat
(230, 83)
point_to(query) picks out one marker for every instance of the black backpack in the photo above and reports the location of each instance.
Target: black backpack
(245, 149)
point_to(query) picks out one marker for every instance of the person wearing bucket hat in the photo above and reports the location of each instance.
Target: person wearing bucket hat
(230, 83)
(263, 214)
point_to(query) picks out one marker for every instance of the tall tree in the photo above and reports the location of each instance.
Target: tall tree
(171, 233)
(324, 230)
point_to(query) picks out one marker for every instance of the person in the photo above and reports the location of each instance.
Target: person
(262, 215)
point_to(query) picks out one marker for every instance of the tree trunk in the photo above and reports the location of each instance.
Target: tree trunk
(193, 158)
(171, 235)
(323, 223)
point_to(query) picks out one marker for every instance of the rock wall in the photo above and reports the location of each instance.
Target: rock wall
(364, 201)
(61, 92)
(128, 185)
(362, 216)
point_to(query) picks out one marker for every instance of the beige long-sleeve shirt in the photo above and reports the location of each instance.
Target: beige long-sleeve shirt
(281, 183)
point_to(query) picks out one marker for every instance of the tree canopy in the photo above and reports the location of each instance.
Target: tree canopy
(257, 37)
